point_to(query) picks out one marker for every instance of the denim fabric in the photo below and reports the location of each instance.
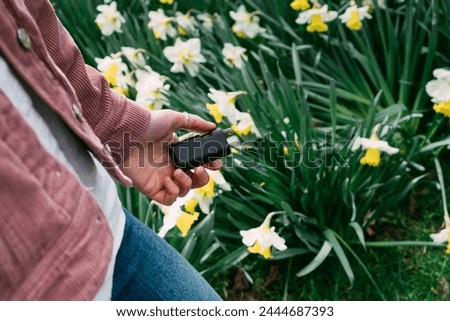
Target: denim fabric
(148, 268)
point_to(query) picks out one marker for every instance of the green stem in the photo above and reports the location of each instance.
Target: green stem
(433, 131)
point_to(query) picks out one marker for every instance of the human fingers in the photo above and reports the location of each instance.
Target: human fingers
(192, 122)
(169, 193)
(214, 165)
(199, 177)
(183, 181)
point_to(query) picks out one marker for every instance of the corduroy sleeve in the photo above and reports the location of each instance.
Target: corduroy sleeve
(115, 119)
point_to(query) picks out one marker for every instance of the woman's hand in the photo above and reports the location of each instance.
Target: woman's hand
(149, 165)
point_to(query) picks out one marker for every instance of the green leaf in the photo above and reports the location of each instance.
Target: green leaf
(435, 145)
(227, 261)
(329, 235)
(318, 259)
(288, 253)
(189, 248)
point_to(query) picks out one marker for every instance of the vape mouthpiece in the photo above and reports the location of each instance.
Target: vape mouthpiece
(228, 132)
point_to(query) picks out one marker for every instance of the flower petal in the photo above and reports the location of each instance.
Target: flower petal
(439, 90)
(442, 74)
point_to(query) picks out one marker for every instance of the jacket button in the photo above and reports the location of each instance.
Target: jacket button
(107, 149)
(77, 112)
(24, 39)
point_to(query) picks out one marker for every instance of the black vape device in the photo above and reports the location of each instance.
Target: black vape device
(200, 149)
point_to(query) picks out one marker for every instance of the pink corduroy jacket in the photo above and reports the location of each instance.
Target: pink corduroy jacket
(55, 243)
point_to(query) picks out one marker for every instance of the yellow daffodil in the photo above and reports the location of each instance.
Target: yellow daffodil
(234, 56)
(185, 55)
(354, 15)
(316, 18)
(224, 104)
(246, 23)
(161, 25)
(300, 5)
(439, 90)
(166, 1)
(151, 89)
(109, 20)
(259, 240)
(373, 146)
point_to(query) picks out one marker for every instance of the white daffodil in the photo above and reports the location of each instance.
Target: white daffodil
(439, 88)
(259, 240)
(224, 104)
(353, 16)
(124, 82)
(246, 23)
(109, 20)
(161, 25)
(174, 215)
(371, 4)
(185, 55)
(316, 18)
(134, 56)
(207, 21)
(186, 23)
(204, 196)
(444, 235)
(151, 90)
(114, 70)
(183, 212)
(244, 125)
(373, 146)
(439, 91)
(234, 56)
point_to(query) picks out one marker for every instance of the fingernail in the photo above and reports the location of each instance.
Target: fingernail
(179, 173)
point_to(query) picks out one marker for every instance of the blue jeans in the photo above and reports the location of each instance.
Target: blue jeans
(148, 268)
